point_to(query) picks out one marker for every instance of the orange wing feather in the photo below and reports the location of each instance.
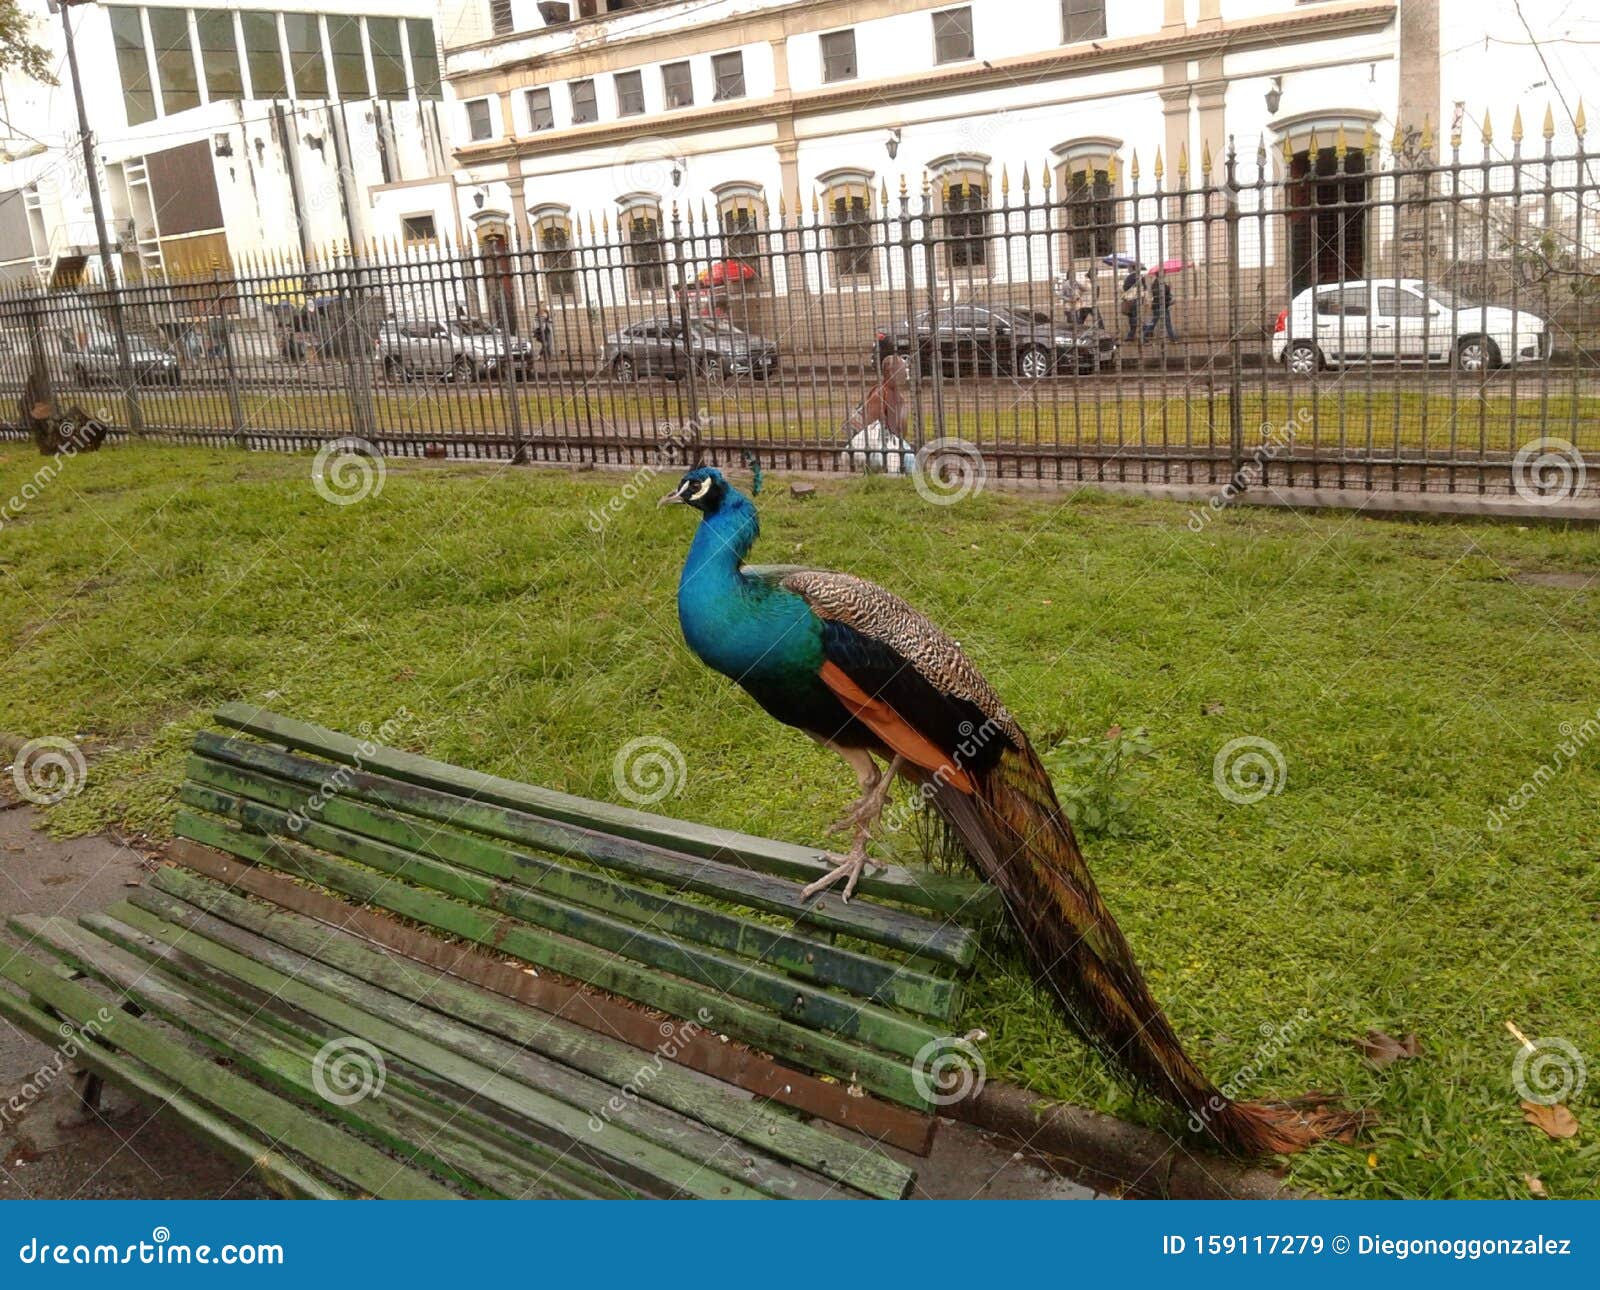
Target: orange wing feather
(894, 729)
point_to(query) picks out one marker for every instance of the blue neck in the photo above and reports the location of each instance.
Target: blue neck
(721, 542)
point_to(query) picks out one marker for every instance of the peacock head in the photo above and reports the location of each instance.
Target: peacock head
(703, 488)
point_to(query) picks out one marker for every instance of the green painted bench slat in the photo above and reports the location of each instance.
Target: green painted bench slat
(277, 1171)
(942, 940)
(399, 1116)
(617, 1064)
(364, 1167)
(948, 894)
(640, 943)
(796, 952)
(674, 1149)
(880, 1073)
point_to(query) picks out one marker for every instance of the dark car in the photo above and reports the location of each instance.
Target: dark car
(1003, 342)
(93, 359)
(661, 347)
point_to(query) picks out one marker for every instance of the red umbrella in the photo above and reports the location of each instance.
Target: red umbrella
(725, 271)
(1170, 266)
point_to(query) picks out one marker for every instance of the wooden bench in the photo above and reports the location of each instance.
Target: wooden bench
(481, 987)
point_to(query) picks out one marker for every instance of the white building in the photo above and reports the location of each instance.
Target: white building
(220, 131)
(605, 109)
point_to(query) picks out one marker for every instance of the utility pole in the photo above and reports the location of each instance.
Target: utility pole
(92, 178)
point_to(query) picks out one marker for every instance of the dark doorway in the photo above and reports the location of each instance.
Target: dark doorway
(1327, 218)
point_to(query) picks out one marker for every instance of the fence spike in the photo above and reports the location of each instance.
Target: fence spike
(1397, 144)
(1369, 141)
(927, 184)
(903, 192)
(1133, 166)
(1044, 180)
(1261, 157)
(1427, 131)
(1579, 122)
(883, 192)
(1111, 171)
(1516, 125)
(1158, 167)
(1205, 156)
(1025, 178)
(1488, 129)
(1549, 121)
(1183, 163)
(1288, 150)
(1340, 144)
(816, 205)
(1005, 181)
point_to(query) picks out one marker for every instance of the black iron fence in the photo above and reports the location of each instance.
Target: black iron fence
(1341, 316)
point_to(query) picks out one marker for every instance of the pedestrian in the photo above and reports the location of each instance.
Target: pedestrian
(1160, 305)
(1132, 286)
(544, 330)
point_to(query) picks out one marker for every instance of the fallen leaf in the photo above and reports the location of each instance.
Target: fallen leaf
(1553, 1121)
(1212, 709)
(1536, 1186)
(1381, 1049)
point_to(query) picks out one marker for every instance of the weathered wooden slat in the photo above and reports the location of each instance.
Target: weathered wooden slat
(937, 940)
(696, 1163)
(865, 1022)
(617, 1064)
(961, 897)
(838, 1057)
(342, 1154)
(810, 957)
(398, 1118)
(694, 1047)
(282, 1175)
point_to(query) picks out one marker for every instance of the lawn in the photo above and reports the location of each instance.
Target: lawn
(1412, 676)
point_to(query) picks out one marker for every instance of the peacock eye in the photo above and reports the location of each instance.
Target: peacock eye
(701, 491)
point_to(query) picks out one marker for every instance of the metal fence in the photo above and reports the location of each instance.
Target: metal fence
(1348, 315)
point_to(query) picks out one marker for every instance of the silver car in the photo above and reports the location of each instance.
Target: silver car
(93, 359)
(462, 349)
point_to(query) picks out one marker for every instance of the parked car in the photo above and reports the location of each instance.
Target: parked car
(1023, 342)
(661, 347)
(1403, 320)
(461, 349)
(92, 359)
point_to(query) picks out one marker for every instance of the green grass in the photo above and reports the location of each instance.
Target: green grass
(1409, 673)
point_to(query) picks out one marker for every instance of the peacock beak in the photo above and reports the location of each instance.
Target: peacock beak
(675, 496)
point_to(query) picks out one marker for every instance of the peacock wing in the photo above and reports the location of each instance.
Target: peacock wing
(904, 678)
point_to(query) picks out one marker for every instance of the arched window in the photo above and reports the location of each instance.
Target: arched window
(640, 225)
(961, 183)
(742, 214)
(848, 203)
(552, 237)
(1326, 195)
(1086, 172)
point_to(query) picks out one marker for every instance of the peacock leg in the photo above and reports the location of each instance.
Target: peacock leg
(861, 816)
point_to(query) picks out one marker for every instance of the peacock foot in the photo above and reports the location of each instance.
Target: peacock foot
(849, 868)
(861, 813)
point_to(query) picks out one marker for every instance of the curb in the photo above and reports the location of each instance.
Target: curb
(1147, 1162)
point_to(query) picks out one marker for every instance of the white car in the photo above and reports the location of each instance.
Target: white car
(1402, 320)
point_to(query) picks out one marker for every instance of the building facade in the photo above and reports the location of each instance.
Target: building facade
(220, 132)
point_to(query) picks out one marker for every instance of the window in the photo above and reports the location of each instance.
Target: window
(219, 53)
(303, 34)
(1352, 302)
(1393, 303)
(966, 222)
(418, 229)
(127, 38)
(646, 251)
(727, 70)
(1326, 200)
(742, 212)
(479, 124)
(500, 16)
(540, 115)
(839, 55)
(584, 108)
(264, 55)
(552, 233)
(424, 57)
(1082, 20)
(676, 85)
(952, 35)
(1091, 214)
(630, 93)
(850, 214)
(180, 84)
(349, 59)
(388, 60)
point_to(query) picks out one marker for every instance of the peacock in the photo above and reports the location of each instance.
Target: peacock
(867, 676)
